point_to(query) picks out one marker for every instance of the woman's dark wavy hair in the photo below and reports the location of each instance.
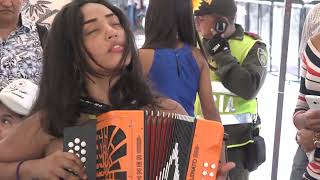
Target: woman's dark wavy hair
(166, 20)
(65, 68)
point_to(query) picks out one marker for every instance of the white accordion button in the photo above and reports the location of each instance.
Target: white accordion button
(83, 151)
(213, 166)
(83, 144)
(70, 144)
(78, 155)
(71, 151)
(77, 140)
(206, 164)
(204, 173)
(83, 159)
(77, 148)
(211, 174)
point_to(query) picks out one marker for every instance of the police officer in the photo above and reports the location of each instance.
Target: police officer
(238, 62)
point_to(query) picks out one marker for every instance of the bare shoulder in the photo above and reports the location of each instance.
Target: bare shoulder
(198, 55)
(171, 106)
(146, 53)
(146, 58)
(316, 41)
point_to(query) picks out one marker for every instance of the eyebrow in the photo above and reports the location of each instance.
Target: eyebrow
(95, 19)
(7, 115)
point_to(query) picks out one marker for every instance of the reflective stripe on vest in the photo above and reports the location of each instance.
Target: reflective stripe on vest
(231, 119)
(228, 103)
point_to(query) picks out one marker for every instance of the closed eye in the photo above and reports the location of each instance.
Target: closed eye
(92, 31)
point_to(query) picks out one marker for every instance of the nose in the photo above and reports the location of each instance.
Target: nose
(110, 36)
(110, 32)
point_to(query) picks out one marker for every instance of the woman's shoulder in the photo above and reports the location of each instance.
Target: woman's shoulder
(315, 40)
(146, 54)
(146, 58)
(199, 56)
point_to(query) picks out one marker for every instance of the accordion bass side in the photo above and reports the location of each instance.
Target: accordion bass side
(142, 145)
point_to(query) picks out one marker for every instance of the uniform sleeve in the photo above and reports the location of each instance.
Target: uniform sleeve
(244, 80)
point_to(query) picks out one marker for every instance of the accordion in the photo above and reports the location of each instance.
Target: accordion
(144, 145)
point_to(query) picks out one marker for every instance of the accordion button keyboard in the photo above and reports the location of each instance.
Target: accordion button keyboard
(206, 164)
(83, 159)
(83, 152)
(83, 144)
(77, 140)
(77, 148)
(70, 144)
(213, 166)
(204, 173)
(211, 174)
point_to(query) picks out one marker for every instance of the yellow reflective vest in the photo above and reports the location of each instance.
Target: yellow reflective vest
(233, 109)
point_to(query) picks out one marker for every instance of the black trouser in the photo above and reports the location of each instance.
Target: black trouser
(299, 165)
(238, 156)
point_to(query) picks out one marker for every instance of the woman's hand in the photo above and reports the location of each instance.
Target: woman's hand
(224, 169)
(305, 139)
(312, 119)
(55, 166)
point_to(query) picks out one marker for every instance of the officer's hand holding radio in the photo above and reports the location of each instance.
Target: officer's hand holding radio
(217, 44)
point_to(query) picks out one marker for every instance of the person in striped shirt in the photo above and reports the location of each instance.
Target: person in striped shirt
(310, 28)
(305, 119)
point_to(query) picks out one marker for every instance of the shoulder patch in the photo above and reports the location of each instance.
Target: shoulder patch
(253, 35)
(262, 56)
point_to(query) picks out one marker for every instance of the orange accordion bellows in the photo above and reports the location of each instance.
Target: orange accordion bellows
(142, 145)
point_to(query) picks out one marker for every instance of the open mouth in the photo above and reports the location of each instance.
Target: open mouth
(117, 49)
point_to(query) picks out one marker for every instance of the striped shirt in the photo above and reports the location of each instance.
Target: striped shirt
(310, 85)
(310, 76)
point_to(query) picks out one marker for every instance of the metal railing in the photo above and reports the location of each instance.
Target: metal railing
(266, 19)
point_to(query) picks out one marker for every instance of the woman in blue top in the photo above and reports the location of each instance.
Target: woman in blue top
(176, 68)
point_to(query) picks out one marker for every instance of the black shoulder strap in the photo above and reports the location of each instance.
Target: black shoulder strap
(43, 32)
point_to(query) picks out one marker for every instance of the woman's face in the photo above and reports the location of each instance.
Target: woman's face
(104, 36)
(8, 121)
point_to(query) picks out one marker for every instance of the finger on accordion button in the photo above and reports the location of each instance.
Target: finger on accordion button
(71, 151)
